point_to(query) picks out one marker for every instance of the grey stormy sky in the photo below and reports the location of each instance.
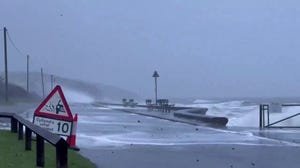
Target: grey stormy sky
(201, 48)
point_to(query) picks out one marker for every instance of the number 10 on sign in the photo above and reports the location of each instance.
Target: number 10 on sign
(60, 127)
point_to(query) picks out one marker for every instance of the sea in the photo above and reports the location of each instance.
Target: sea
(107, 126)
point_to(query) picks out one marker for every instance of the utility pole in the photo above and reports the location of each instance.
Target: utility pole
(27, 74)
(155, 76)
(43, 86)
(5, 65)
(52, 81)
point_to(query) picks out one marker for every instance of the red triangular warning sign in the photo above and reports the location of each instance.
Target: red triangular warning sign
(55, 106)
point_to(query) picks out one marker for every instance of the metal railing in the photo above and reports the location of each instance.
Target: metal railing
(17, 124)
(264, 117)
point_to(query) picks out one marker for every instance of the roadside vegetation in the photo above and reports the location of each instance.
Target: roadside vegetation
(13, 154)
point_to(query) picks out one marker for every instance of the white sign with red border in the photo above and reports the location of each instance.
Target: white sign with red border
(54, 113)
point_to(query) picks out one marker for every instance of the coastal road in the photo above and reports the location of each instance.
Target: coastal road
(114, 139)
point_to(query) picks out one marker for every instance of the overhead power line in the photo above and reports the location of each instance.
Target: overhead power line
(14, 45)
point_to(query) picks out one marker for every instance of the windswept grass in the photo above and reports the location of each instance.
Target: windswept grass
(13, 154)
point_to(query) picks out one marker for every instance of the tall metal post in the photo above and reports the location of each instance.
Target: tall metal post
(27, 74)
(155, 90)
(155, 75)
(5, 64)
(260, 116)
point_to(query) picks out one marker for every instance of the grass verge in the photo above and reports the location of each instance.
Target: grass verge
(13, 154)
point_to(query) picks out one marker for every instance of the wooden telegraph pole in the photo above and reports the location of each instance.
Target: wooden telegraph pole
(52, 81)
(43, 86)
(27, 74)
(5, 65)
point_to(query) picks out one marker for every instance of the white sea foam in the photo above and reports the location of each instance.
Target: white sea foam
(247, 115)
(142, 138)
(201, 101)
(113, 128)
(237, 113)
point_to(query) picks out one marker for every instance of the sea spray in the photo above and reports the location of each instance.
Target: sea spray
(243, 114)
(74, 96)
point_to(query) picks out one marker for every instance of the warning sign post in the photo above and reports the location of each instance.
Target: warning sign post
(54, 113)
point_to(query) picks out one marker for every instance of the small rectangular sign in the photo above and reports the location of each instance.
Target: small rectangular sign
(55, 126)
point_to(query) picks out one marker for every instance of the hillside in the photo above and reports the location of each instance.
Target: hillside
(16, 93)
(74, 90)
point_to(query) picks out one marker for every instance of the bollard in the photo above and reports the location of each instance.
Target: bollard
(40, 151)
(20, 135)
(62, 154)
(28, 134)
(13, 125)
